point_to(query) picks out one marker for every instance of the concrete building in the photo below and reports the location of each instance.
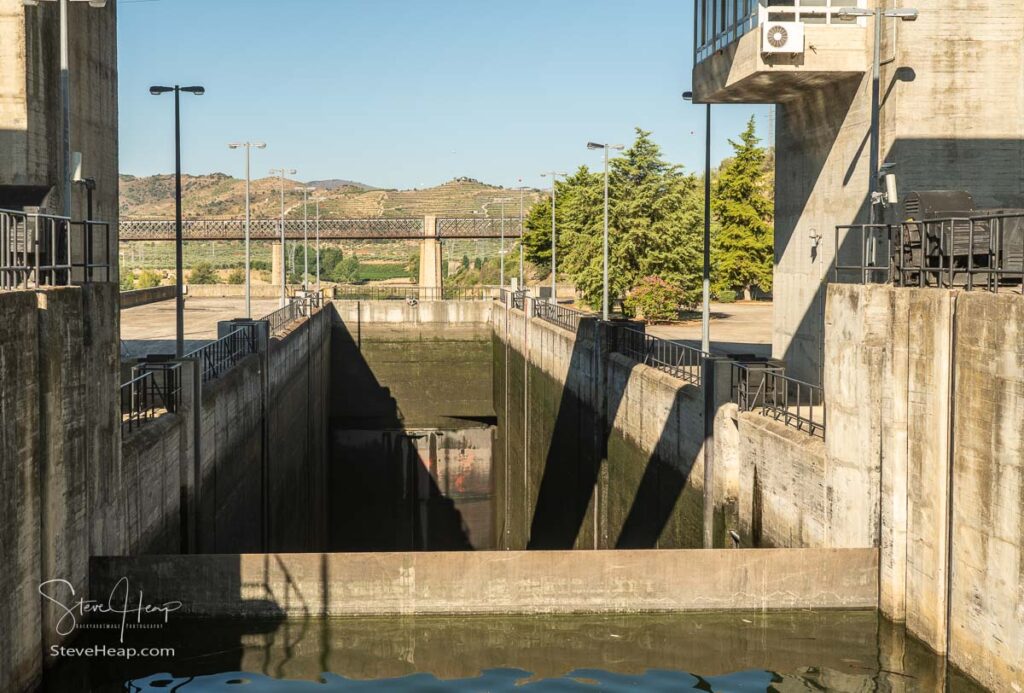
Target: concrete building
(31, 160)
(951, 100)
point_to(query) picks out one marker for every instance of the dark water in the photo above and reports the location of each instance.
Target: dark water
(821, 651)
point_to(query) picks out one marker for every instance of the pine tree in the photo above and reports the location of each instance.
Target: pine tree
(745, 209)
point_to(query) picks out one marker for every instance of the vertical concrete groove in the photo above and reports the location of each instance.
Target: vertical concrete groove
(950, 471)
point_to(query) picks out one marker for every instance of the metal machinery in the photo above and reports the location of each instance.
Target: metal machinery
(945, 241)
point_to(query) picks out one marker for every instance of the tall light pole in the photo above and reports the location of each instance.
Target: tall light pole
(501, 250)
(65, 93)
(305, 235)
(281, 173)
(522, 263)
(248, 146)
(317, 200)
(554, 175)
(907, 15)
(705, 316)
(179, 298)
(605, 147)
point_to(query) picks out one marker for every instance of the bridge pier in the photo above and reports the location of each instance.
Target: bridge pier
(430, 258)
(276, 267)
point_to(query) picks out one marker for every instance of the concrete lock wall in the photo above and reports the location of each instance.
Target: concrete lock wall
(59, 468)
(934, 386)
(310, 585)
(594, 449)
(411, 427)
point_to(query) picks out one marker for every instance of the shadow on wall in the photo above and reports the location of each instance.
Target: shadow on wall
(384, 477)
(809, 156)
(593, 487)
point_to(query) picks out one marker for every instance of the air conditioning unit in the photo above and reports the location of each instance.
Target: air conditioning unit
(782, 38)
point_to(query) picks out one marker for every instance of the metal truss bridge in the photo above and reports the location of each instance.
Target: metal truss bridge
(344, 229)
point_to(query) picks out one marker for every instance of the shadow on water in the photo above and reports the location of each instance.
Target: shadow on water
(827, 651)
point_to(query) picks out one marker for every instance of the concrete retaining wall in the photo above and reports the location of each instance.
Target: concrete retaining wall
(595, 450)
(303, 585)
(61, 480)
(142, 297)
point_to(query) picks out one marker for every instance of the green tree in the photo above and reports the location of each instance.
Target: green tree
(744, 208)
(202, 273)
(127, 280)
(465, 262)
(478, 263)
(236, 276)
(655, 224)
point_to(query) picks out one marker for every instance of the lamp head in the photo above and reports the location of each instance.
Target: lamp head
(688, 95)
(595, 145)
(198, 91)
(157, 91)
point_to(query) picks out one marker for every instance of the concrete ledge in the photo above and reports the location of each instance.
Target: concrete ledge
(143, 297)
(497, 582)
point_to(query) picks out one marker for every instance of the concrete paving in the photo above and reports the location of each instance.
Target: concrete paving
(736, 328)
(150, 329)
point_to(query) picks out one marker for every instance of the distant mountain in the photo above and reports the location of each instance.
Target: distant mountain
(220, 195)
(335, 183)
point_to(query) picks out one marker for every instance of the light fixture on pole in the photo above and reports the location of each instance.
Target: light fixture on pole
(179, 341)
(905, 14)
(305, 190)
(248, 146)
(554, 175)
(65, 93)
(281, 173)
(705, 317)
(604, 294)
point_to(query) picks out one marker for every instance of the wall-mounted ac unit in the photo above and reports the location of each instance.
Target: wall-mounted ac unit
(782, 38)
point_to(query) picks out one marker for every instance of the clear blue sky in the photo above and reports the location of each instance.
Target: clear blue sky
(407, 93)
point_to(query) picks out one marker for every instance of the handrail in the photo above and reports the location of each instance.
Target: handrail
(519, 300)
(679, 360)
(39, 250)
(277, 319)
(154, 389)
(219, 357)
(768, 391)
(562, 316)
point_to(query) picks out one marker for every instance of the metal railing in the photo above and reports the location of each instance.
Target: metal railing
(519, 300)
(681, 361)
(505, 297)
(559, 315)
(964, 252)
(45, 250)
(219, 357)
(154, 390)
(769, 392)
(282, 316)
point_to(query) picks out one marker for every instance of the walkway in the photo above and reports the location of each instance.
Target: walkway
(736, 328)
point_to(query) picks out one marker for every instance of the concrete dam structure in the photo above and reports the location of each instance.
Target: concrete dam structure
(396, 458)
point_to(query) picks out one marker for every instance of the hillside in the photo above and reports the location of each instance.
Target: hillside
(220, 195)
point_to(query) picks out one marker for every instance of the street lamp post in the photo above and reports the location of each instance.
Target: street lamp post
(554, 263)
(281, 173)
(705, 318)
(317, 200)
(905, 14)
(305, 235)
(501, 249)
(179, 341)
(522, 263)
(248, 146)
(604, 295)
(65, 93)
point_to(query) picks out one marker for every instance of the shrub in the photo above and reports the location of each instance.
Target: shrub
(655, 300)
(202, 273)
(149, 279)
(726, 296)
(236, 276)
